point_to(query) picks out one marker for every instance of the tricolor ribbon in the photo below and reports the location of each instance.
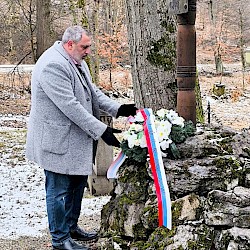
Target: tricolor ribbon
(157, 167)
(112, 171)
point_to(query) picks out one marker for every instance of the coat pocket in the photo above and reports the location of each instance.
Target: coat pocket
(55, 138)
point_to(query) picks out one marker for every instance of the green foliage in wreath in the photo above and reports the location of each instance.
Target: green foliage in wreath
(178, 135)
(136, 153)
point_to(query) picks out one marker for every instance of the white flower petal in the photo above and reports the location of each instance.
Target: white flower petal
(163, 154)
(131, 140)
(139, 117)
(143, 143)
(161, 113)
(165, 144)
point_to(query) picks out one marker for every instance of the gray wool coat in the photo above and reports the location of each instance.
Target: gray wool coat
(64, 117)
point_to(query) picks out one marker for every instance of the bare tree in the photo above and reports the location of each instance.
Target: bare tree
(43, 27)
(112, 13)
(17, 27)
(93, 14)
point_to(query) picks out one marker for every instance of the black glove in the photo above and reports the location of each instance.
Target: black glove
(127, 110)
(109, 137)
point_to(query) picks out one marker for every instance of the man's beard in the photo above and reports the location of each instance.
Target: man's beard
(78, 58)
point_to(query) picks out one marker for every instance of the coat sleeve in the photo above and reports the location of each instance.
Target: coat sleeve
(105, 103)
(55, 81)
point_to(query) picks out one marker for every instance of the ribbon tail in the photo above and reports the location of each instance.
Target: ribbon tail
(157, 166)
(114, 167)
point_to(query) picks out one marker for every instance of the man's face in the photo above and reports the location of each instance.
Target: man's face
(80, 49)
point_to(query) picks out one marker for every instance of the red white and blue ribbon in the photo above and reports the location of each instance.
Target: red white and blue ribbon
(112, 171)
(157, 167)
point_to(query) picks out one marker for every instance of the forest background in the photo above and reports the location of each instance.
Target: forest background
(222, 25)
(222, 28)
(27, 28)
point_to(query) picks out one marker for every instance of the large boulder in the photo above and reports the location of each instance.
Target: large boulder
(210, 194)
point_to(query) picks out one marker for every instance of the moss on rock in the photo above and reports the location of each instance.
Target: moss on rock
(230, 166)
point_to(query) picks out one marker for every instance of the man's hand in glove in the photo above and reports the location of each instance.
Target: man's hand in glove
(127, 110)
(109, 138)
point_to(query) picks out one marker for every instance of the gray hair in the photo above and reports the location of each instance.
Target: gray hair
(73, 33)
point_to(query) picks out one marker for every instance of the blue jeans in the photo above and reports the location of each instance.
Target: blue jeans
(63, 198)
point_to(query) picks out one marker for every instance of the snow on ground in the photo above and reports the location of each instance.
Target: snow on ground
(22, 195)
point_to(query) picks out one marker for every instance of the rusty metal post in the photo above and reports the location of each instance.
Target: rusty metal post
(186, 63)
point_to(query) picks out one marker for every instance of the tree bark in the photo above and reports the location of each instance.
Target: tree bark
(43, 26)
(152, 41)
(95, 60)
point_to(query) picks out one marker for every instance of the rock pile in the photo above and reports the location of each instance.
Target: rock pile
(210, 193)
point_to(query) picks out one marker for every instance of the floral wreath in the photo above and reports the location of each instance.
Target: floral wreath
(171, 129)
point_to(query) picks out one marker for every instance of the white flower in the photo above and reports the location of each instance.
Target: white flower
(132, 140)
(161, 113)
(135, 128)
(174, 118)
(165, 144)
(163, 154)
(166, 125)
(161, 134)
(139, 117)
(141, 140)
(126, 134)
(138, 127)
(143, 143)
(171, 115)
(163, 129)
(132, 127)
(178, 121)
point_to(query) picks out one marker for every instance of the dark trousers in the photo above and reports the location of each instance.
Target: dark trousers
(63, 198)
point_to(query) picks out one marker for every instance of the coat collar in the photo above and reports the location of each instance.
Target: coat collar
(58, 46)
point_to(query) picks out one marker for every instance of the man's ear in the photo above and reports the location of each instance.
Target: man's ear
(70, 44)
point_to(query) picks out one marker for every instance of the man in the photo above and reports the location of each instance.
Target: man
(63, 129)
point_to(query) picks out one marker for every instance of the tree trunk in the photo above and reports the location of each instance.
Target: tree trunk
(95, 60)
(43, 26)
(242, 44)
(152, 40)
(111, 13)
